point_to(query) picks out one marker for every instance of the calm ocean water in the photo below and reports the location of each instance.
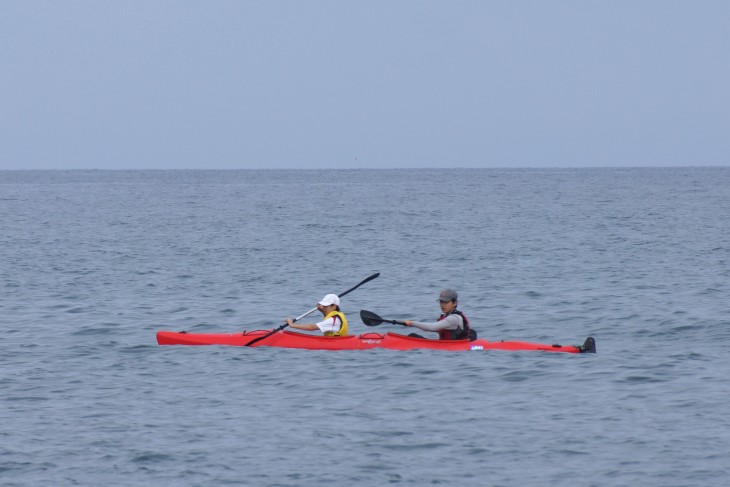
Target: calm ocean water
(93, 263)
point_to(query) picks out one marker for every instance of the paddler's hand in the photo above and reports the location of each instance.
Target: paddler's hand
(408, 322)
(289, 321)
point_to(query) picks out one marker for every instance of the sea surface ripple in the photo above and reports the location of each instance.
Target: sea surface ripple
(93, 263)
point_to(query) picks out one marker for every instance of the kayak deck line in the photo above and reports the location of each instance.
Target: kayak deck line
(364, 341)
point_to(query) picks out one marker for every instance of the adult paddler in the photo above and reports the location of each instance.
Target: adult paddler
(334, 323)
(452, 324)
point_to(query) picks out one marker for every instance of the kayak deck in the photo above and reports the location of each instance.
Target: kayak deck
(364, 341)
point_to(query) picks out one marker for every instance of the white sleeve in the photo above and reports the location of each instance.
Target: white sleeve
(330, 324)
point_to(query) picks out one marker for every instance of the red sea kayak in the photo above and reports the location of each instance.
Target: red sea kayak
(365, 341)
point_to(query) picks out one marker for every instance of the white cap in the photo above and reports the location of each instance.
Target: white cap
(329, 300)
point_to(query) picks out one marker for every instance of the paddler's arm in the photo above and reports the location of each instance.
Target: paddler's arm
(302, 326)
(451, 322)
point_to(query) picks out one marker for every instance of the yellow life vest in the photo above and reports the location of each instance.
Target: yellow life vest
(343, 326)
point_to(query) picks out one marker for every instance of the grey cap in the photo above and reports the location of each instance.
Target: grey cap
(448, 295)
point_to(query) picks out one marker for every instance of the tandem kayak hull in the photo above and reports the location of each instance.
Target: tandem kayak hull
(365, 341)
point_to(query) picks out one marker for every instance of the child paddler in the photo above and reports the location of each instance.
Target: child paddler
(452, 324)
(334, 323)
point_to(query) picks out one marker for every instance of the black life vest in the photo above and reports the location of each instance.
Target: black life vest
(462, 334)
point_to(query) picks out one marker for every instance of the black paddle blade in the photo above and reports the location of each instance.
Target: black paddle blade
(370, 318)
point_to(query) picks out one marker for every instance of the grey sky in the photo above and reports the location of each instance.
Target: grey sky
(349, 84)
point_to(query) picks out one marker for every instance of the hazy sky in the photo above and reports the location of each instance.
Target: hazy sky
(349, 84)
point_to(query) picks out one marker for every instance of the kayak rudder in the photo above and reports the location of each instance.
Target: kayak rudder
(589, 346)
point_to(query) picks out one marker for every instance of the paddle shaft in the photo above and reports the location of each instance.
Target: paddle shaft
(255, 340)
(394, 322)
